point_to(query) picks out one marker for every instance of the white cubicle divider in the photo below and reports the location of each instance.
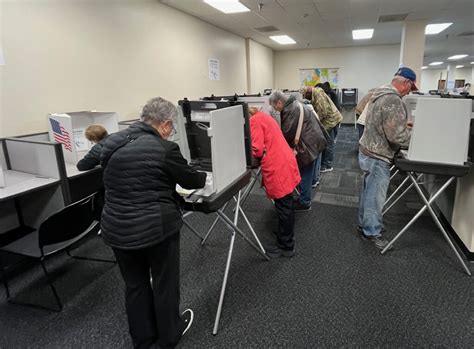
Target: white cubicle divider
(411, 101)
(441, 131)
(68, 129)
(34, 188)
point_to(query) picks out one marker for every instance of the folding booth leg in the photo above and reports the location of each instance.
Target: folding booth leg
(226, 272)
(418, 214)
(203, 242)
(396, 190)
(194, 231)
(440, 226)
(401, 195)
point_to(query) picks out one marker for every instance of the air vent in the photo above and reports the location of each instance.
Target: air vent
(471, 33)
(267, 29)
(393, 18)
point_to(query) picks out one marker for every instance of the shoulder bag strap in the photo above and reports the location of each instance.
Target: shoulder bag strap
(300, 125)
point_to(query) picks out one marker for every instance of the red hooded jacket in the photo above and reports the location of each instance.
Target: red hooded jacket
(280, 174)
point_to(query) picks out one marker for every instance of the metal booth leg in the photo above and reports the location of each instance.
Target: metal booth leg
(401, 195)
(418, 214)
(440, 226)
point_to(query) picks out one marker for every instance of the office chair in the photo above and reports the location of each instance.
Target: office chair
(62, 231)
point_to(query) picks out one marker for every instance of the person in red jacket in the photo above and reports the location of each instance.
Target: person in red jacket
(280, 176)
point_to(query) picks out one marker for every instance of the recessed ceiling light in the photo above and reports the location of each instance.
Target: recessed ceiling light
(424, 67)
(227, 6)
(459, 66)
(472, 62)
(432, 29)
(283, 39)
(361, 34)
(436, 63)
(455, 57)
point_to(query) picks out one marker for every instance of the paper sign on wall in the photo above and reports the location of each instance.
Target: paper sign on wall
(214, 69)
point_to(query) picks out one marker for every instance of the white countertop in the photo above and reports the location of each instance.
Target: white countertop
(21, 182)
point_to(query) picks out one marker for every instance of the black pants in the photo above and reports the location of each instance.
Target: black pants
(286, 222)
(153, 313)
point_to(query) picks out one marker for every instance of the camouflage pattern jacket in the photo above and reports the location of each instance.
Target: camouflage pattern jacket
(328, 113)
(385, 130)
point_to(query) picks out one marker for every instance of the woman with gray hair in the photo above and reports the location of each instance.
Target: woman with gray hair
(141, 221)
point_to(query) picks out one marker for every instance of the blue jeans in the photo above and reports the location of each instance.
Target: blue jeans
(307, 174)
(373, 194)
(317, 170)
(328, 153)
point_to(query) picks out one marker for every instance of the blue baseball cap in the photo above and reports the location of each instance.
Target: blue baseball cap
(408, 74)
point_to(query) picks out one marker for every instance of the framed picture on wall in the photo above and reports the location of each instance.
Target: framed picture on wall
(313, 76)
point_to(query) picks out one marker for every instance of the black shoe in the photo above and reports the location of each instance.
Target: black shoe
(379, 241)
(188, 317)
(326, 169)
(276, 252)
(314, 185)
(299, 207)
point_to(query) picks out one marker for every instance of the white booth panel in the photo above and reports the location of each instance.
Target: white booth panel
(441, 131)
(227, 145)
(411, 101)
(68, 129)
(33, 157)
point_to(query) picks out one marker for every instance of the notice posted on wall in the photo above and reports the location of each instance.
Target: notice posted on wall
(80, 140)
(214, 69)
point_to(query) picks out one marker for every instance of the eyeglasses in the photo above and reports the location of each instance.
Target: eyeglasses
(173, 130)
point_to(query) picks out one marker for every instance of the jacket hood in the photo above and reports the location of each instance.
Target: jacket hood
(290, 100)
(383, 91)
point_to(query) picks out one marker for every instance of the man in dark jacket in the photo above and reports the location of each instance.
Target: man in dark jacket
(141, 221)
(311, 142)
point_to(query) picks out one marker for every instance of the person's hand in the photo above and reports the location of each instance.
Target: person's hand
(410, 125)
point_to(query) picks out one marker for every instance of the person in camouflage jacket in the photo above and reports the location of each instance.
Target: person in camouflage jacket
(386, 132)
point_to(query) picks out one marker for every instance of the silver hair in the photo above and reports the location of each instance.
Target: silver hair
(276, 96)
(399, 78)
(158, 110)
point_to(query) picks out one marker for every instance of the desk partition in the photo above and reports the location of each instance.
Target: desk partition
(34, 183)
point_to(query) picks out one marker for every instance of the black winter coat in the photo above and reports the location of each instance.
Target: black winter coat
(92, 158)
(312, 140)
(141, 170)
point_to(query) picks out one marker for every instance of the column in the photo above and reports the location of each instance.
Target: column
(412, 48)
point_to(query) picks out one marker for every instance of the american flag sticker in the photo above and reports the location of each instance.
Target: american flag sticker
(60, 134)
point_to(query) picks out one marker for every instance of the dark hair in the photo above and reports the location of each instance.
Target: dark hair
(325, 86)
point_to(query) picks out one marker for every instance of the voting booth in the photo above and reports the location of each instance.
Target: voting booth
(216, 137)
(68, 129)
(441, 131)
(438, 152)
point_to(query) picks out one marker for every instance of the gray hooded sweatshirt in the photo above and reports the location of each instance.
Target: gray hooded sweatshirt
(385, 130)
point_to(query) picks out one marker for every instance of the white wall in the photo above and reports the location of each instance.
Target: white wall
(362, 67)
(260, 67)
(112, 55)
(430, 77)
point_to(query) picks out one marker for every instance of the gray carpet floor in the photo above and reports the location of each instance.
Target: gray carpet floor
(338, 291)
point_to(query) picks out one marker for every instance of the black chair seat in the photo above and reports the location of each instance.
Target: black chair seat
(29, 246)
